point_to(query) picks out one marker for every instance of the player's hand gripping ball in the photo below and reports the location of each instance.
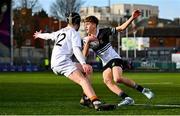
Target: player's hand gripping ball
(94, 44)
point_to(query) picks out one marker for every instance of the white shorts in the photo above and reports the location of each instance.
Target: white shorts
(66, 69)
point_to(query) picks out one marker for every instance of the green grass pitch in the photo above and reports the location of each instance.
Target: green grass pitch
(43, 93)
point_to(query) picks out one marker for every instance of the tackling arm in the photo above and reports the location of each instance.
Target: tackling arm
(86, 49)
(77, 52)
(87, 68)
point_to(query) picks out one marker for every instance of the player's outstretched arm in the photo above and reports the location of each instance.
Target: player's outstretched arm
(46, 36)
(36, 34)
(134, 15)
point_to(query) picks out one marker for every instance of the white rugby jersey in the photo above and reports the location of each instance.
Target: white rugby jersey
(64, 41)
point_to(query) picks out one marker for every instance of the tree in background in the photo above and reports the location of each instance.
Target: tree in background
(60, 8)
(29, 4)
(22, 19)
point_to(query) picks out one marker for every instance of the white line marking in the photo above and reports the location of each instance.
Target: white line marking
(159, 105)
(163, 83)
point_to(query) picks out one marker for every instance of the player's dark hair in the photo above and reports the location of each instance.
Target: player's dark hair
(91, 19)
(73, 18)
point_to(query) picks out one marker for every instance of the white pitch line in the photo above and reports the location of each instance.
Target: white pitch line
(159, 105)
(163, 83)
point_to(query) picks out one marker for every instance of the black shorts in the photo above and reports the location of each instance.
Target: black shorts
(114, 62)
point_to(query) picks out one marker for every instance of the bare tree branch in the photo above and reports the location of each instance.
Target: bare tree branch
(61, 7)
(30, 4)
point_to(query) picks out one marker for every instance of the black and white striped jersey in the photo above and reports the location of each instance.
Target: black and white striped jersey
(104, 48)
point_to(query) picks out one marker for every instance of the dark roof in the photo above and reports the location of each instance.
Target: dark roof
(162, 32)
(168, 29)
(165, 22)
(158, 32)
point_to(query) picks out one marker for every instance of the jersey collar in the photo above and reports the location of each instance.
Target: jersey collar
(97, 32)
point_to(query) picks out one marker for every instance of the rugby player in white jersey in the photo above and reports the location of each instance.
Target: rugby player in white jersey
(66, 43)
(98, 40)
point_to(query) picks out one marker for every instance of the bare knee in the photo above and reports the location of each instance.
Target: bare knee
(117, 75)
(108, 81)
(118, 80)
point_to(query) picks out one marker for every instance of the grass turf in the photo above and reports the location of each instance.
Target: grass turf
(47, 94)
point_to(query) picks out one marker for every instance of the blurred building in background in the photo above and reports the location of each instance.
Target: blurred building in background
(118, 12)
(162, 35)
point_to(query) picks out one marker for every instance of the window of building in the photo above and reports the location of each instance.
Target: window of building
(161, 42)
(142, 13)
(155, 52)
(167, 52)
(147, 15)
(161, 52)
(127, 12)
(149, 12)
(99, 10)
(107, 18)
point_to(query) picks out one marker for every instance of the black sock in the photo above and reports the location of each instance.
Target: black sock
(139, 88)
(84, 96)
(123, 95)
